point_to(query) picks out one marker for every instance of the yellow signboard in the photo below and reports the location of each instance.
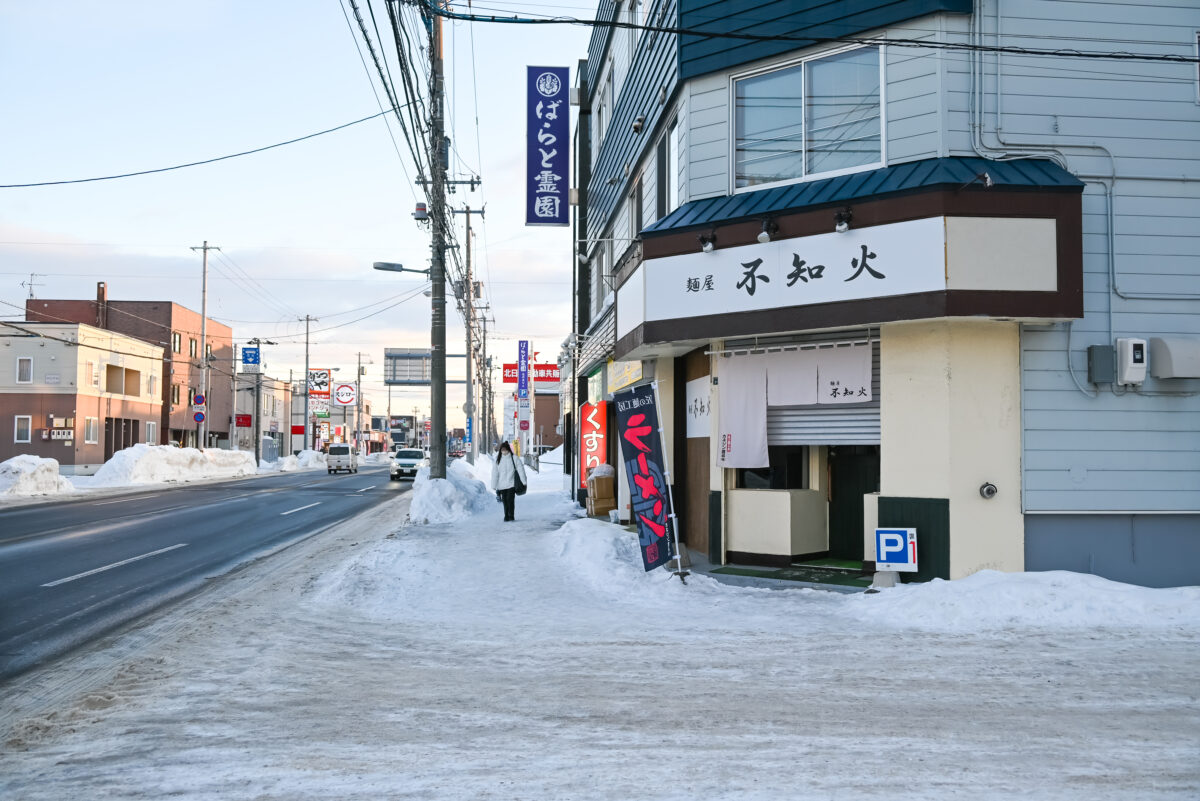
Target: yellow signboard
(622, 374)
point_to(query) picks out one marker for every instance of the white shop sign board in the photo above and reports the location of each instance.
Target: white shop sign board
(879, 261)
(699, 407)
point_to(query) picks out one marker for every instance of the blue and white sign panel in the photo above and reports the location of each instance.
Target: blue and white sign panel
(523, 368)
(896, 549)
(547, 160)
(250, 358)
(469, 432)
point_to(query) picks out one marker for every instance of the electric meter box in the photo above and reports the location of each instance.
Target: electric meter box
(1131, 360)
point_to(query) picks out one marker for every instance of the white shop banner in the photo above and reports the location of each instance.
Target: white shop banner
(844, 374)
(742, 414)
(874, 262)
(699, 407)
(792, 378)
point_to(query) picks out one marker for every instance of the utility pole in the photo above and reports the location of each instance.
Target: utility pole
(258, 398)
(307, 418)
(358, 400)
(202, 428)
(438, 157)
(469, 320)
(485, 389)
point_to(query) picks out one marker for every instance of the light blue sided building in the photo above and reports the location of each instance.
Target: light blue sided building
(977, 223)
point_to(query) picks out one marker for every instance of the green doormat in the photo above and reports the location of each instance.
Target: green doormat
(811, 574)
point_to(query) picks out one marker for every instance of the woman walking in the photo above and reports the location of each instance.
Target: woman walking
(506, 472)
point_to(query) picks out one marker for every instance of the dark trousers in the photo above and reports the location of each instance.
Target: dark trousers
(509, 498)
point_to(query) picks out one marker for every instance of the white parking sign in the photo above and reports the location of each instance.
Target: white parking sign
(896, 549)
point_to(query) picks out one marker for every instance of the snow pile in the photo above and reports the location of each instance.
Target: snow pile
(602, 471)
(307, 460)
(32, 475)
(444, 500)
(154, 464)
(990, 600)
(379, 457)
(552, 457)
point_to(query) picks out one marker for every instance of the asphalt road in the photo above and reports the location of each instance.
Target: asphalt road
(71, 571)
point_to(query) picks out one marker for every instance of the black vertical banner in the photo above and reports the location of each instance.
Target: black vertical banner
(642, 453)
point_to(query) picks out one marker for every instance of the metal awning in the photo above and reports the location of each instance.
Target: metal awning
(896, 179)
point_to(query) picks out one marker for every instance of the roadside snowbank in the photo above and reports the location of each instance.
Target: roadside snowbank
(444, 500)
(379, 457)
(27, 474)
(154, 464)
(307, 460)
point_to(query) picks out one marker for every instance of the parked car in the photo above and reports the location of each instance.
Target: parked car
(341, 457)
(406, 462)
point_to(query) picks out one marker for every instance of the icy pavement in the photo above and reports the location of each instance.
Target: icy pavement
(474, 659)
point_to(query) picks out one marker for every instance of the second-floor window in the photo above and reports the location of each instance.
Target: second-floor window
(820, 116)
(24, 369)
(176, 342)
(174, 394)
(192, 348)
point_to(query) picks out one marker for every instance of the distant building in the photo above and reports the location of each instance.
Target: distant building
(274, 408)
(167, 325)
(76, 393)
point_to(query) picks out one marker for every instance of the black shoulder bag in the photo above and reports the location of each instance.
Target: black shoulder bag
(518, 484)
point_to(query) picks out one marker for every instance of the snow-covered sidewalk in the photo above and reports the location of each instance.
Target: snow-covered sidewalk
(473, 659)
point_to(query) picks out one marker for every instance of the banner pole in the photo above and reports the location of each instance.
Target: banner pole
(679, 571)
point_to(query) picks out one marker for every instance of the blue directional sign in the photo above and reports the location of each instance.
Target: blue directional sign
(468, 438)
(249, 355)
(896, 549)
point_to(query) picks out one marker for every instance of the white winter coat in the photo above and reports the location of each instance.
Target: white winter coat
(504, 470)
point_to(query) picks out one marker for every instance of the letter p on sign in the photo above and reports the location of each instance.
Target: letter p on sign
(896, 549)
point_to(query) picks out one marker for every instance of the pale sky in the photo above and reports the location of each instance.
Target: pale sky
(93, 89)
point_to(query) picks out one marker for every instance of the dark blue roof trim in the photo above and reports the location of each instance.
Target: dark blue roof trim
(906, 177)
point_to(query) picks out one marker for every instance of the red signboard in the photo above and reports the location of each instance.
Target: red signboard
(298, 430)
(243, 421)
(593, 435)
(546, 373)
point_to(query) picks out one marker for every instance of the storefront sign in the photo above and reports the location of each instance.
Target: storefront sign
(641, 451)
(318, 382)
(547, 146)
(622, 374)
(593, 436)
(699, 407)
(243, 421)
(345, 395)
(873, 262)
(545, 373)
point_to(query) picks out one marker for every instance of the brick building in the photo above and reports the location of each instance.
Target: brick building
(177, 330)
(76, 393)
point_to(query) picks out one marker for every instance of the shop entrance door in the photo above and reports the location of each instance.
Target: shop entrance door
(853, 472)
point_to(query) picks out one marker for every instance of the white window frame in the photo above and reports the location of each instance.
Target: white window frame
(782, 65)
(91, 430)
(28, 418)
(151, 432)
(20, 359)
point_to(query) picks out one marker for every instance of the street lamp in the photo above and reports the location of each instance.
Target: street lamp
(392, 267)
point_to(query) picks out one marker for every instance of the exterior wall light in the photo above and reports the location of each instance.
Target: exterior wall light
(708, 242)
(841, 220)
(639, 123)
(768, 228)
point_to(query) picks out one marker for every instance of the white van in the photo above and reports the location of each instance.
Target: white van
(341, 457)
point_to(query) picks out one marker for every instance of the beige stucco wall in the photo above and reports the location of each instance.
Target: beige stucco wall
(951, 421)
(776, 522)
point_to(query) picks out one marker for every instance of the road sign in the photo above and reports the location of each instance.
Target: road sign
(524, 425)
(896, 549)
(250, 360)
(198, 417)
(344, 395)
(198, 400)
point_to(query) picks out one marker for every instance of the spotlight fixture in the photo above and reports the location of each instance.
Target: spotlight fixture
(841, 220)
(983, 178)
(708, 241)
(768, 228)
(639, 123)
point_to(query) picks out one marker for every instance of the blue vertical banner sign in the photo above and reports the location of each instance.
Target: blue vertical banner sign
(523, 368)
(548, 164)
(469, 432)
(642, 453)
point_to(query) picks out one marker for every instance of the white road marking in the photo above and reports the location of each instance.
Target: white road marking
(301, 509)
(114, 564)
(364, 489)
(126, 500)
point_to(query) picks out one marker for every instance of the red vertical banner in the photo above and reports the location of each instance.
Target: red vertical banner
(593, 436)
(642, 452)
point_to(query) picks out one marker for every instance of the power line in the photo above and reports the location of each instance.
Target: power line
(809, 39)
(192, 163)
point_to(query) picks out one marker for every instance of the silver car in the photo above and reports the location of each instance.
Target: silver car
(341, 457)
(406, 462)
